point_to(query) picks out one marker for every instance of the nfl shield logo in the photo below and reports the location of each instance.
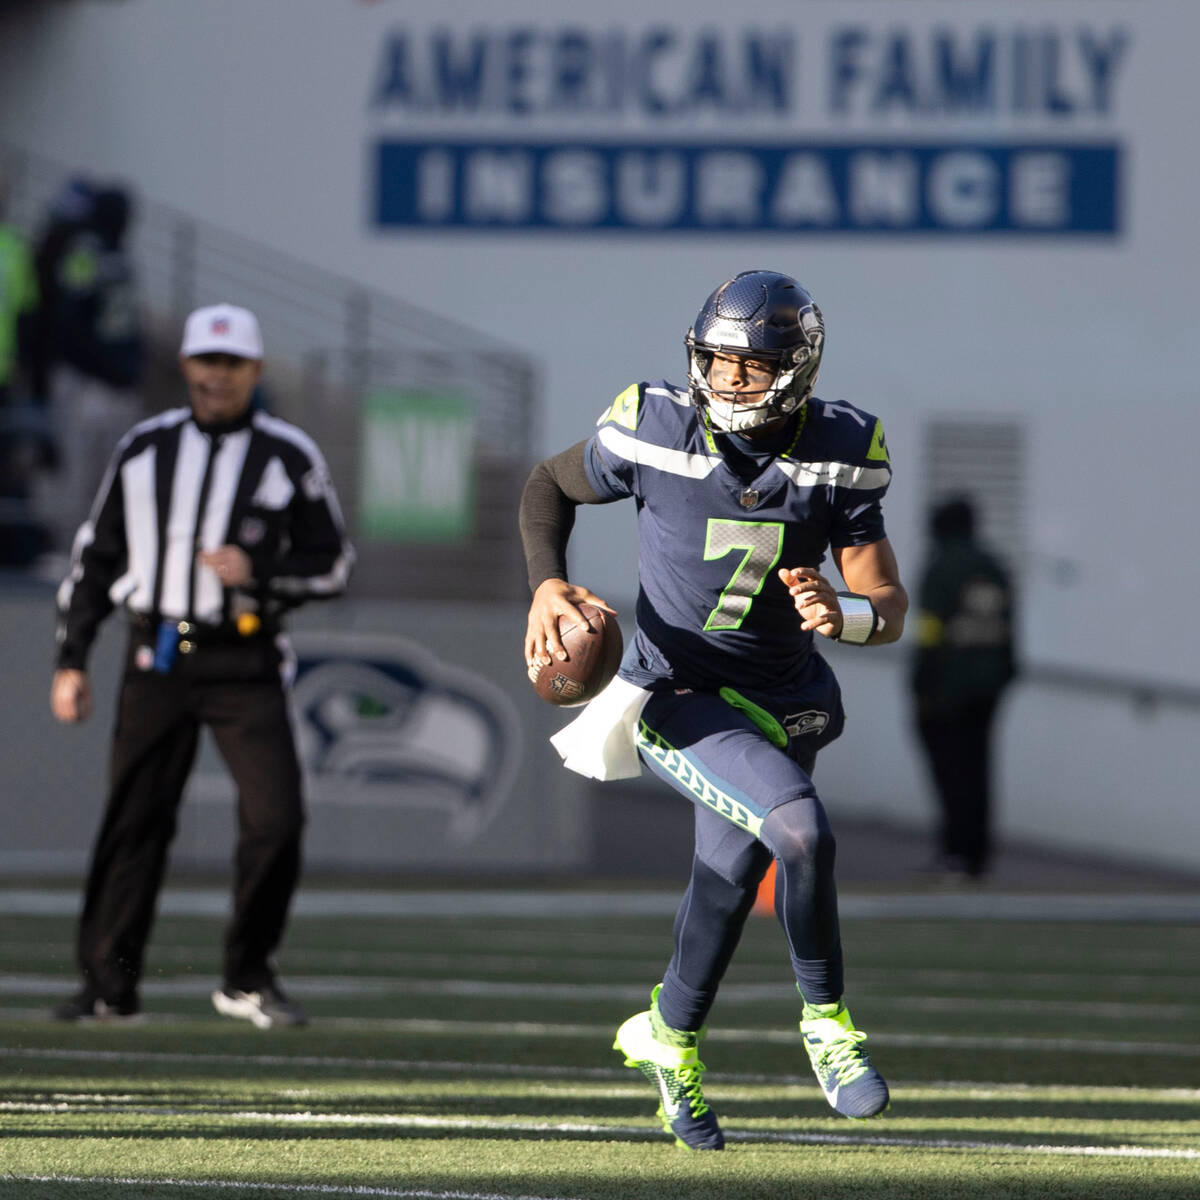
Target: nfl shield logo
(251, 531)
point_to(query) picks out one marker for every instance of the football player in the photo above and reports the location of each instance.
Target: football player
(743, 481)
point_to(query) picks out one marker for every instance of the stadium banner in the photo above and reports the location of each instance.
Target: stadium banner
(880, 188)
(978, 125)
(416, 480)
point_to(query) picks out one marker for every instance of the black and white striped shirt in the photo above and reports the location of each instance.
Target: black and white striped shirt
(174, 489)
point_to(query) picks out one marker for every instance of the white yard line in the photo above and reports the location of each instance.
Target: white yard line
(246, 1185)
(868, 981)
(787, 1037)
(51, 986)
(560, 905)
(381, 985)
(742, 1135)
(520, 1070)
(494, 1070)
(482, 1124)
(762, 1086)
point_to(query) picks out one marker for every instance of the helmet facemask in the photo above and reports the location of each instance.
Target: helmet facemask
(731, 411)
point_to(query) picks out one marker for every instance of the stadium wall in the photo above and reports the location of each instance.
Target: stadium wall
(426, 753)
(423, 746)
(993, 204)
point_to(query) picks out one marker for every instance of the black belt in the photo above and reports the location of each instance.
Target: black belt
(202, 633)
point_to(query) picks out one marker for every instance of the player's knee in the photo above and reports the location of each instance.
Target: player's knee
(799, 833)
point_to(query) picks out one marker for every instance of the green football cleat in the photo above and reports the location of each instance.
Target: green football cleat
(669, 1059)
(850, 1083)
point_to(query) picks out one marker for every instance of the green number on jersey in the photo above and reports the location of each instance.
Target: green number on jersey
(762, 542)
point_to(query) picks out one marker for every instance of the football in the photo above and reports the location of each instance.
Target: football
(593, 654)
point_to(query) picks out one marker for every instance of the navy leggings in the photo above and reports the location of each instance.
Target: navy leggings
(754, 801)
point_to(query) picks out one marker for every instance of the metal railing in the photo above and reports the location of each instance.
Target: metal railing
(330, 343)
(310, 316)
(1145, 695)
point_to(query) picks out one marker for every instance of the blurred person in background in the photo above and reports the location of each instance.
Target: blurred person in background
(68, 213)
(95, 345)
(212, 521)
(964, 660)
(20, 442)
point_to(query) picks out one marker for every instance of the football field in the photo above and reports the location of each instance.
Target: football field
(460, 1046)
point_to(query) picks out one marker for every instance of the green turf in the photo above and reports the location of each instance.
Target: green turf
(471, 1057)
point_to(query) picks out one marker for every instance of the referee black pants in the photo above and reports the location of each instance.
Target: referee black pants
(236, 691)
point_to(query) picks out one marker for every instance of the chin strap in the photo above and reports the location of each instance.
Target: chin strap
(767, 411)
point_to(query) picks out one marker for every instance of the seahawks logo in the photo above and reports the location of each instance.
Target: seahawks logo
(381, 721)
(812, 720)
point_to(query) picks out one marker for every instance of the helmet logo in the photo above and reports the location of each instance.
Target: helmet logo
(727, 333)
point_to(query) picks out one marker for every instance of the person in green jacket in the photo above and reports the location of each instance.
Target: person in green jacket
(19, 447)
(964, 661)
(18, 298)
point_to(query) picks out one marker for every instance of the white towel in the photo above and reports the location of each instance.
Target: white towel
(601, 742)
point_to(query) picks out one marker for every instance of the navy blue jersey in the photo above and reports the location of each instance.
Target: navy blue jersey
(711, 609)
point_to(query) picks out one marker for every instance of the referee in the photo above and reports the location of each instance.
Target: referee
(211, 521)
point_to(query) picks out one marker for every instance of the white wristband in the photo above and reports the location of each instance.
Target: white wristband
(859, 619)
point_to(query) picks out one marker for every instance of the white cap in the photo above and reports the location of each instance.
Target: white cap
(222, 329)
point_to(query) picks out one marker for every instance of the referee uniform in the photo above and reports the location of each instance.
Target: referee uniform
(209, 524)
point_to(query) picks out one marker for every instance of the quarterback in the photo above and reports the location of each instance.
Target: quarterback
(744, 481)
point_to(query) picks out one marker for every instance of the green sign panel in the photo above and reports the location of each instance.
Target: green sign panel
(417, 477)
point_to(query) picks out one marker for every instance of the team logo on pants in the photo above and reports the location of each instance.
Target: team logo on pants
(812, 720)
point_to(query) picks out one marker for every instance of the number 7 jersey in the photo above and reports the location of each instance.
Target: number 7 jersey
(712, 611)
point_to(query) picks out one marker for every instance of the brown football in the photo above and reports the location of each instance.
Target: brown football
(593, 655)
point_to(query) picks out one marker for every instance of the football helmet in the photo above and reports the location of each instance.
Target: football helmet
(760, 315)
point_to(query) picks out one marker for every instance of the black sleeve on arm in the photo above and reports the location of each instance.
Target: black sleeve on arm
(99, 555)
(554, 488)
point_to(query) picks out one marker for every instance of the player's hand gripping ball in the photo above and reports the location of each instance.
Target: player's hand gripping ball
(593, 654)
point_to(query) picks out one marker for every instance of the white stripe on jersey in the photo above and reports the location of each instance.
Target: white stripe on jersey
(214, 529)
(317, 585)
(84, 536)
(661, 458)
(843, 475)
(190, 462)
(141, 532)
(86, 532)
(279, 428)
(678, 395)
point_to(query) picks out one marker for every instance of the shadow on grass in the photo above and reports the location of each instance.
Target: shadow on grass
(673, 1176)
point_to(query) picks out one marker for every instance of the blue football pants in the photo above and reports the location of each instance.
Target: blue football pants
(753, 801)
